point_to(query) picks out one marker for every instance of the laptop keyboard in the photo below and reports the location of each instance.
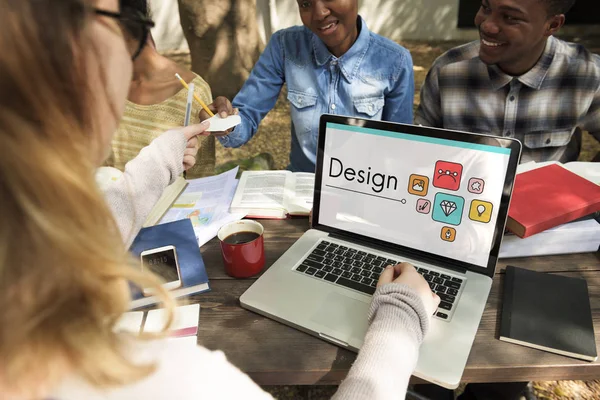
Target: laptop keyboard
(360, 271)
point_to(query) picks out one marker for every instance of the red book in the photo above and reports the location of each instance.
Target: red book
(550, 196)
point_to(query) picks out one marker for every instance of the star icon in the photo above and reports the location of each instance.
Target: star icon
(476, 185)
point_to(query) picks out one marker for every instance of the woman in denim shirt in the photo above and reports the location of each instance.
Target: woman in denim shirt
(333, 64)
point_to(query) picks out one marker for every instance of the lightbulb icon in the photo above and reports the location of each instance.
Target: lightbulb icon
(480, 209)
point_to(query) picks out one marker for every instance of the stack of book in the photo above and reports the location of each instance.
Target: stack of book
(555, 209)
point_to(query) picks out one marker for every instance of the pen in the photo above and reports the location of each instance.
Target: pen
(204, 106)
(188, 106)
(188, 109)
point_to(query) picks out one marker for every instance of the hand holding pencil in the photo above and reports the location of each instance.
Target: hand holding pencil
(222, 106)
(185, 85)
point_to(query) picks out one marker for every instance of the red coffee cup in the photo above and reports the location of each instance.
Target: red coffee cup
(243, 248)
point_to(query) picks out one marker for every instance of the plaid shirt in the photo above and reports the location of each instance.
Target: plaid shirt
(546, 108)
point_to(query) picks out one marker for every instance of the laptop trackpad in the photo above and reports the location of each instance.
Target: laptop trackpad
(345, 317)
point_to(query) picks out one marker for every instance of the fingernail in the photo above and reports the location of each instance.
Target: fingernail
(223, 114)
(205, 123)
(388, 267)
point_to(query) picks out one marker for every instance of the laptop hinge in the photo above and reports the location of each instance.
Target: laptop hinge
(393, 250)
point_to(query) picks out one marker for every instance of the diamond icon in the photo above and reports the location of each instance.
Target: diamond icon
(448, 207)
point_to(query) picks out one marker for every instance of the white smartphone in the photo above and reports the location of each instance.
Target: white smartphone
(163, 262)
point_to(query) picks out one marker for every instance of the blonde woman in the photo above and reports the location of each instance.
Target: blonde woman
(64, 76)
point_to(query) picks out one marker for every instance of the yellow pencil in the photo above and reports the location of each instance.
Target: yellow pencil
(185, 85)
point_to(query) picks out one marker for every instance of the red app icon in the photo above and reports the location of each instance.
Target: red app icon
(447, 175)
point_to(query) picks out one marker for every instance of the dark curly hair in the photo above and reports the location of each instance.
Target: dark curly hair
(556, 7)
(137, 8)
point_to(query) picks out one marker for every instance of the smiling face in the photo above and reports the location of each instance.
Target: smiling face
(333, 21)
(514, 33)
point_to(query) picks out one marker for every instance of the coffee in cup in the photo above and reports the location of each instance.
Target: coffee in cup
(242, 247)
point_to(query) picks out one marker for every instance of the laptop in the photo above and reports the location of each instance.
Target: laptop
(388, 193)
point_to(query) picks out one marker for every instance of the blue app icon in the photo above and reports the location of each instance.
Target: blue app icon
(448, 208)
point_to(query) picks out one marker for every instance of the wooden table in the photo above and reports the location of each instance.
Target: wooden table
(275, 354)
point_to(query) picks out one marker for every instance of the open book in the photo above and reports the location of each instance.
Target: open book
(274, 194)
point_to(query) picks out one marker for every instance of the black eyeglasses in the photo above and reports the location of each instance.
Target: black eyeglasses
(133, 24)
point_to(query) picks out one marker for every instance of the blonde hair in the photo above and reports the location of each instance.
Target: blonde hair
(63, 266)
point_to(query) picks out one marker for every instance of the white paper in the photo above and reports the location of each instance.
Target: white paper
(218, 124)
(585, 169)
(184, 317)
(264, 189)
(573, 237)
(528, 166)
(207, 232)
(301, 200)
(202, 199)
(130, 322)
(185, 341)
(206, 203)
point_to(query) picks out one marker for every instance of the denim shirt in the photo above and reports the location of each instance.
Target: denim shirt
(373, 79)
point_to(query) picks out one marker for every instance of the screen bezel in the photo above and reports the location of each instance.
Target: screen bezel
(467, 137)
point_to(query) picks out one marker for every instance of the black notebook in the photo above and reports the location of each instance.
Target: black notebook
(548, 312)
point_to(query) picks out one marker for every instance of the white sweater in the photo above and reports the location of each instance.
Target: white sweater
(398, 320)
(381, 371)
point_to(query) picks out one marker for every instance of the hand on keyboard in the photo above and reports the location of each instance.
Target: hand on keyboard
(406, 274)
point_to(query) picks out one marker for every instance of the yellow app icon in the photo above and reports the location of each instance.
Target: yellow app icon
(418, 185)
(448, 234)
(481, 211)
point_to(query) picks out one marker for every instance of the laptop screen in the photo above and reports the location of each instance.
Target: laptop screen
(423, 192)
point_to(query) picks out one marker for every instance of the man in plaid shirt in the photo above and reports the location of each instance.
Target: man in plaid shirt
(518, 81)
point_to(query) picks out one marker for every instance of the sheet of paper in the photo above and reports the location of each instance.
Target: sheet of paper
(264, 189)
(207, 232)
(185, 321)
(206, 203)
(130, 322)
(218, 124)
(304, 188)
(527, 166)
(185, 341)
(587, 170)
(203, 199)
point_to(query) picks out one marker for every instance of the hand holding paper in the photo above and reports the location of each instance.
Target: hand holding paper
(218, 124)
(225, 116)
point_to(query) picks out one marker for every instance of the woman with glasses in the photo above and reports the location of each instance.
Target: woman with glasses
(64, 270)
(156, 101)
